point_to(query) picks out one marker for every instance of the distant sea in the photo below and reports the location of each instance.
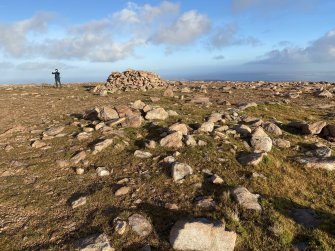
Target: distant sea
(223, 76)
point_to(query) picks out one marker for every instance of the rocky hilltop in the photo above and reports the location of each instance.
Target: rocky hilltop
(162, 165)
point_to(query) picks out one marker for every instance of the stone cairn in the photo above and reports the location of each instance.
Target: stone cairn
(130, 80)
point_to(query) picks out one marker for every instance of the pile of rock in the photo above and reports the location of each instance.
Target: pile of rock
(130, 80)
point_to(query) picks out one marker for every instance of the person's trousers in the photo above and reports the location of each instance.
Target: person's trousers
(57, 81)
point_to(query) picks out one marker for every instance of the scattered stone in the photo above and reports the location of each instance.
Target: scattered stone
(172, 113)
(169, 159)
(202, 143)
(314, 128)
(142, 154)
(147, 108)
(314, 162)
(80, 170)
(91, 114)
(101, 146)
(324, 94)
(206, 127)
(78, 202)
(38, 144)
(115, 122)
(123, 111)
(62, 163)
(140, 225)
(223, 128)
(216, 179)
(246, 105)
(282, 143)
(179, 128)
(122, 191)
(157, 114)
(78, 157)
(53, 131)
(186, 90)
(190, 141)
(120, 226)
(215, 117)
(180, 171)
(272, 128)
(102, 171)
(260, 141)
(86, 130)
(107, 113)
(95, 242)
(171, 206)
(205, 203)
(250, 159)
(155, 99)
(201, 100)
(257, 175)
(168, 92)
(201, 235)
(138, 105)
(103, 93)
(319, 151)
(329, 130)
(246, 199)
(243, 130)
(296, 124)
(173, 140)
(83, 136)
(151, 144)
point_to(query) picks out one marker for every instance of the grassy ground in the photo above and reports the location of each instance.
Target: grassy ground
(35, 193)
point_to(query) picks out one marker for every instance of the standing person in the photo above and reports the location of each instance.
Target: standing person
(57, 78)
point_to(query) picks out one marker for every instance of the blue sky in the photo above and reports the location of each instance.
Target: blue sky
(218, 39)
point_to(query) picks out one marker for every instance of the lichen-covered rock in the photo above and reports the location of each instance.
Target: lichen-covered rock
(157, 114)
(173, 140)
(201, 235)
(140, 225)
(180, 171)
(313, 128)
(246, 199)
(260, 141)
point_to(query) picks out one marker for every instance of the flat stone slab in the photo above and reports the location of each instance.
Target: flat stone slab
(315, 162)
(201, 235)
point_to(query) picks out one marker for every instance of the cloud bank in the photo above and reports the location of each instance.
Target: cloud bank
(117, 36)
(322, 50)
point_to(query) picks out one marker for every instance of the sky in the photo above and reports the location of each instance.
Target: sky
(273, 40)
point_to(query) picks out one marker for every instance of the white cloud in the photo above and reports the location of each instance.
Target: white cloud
(126, 16)
(187, 28)
(112, 52)
(99, 40)
(227, 36)
(135, 14)
(13, 37)
(115, 37)
(321, 50)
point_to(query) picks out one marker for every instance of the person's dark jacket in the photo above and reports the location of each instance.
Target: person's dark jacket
(57, 75)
